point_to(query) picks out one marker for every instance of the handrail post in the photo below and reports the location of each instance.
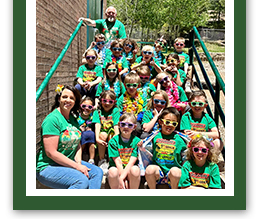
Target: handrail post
(57, 62)
(191, 43)
(216, 113)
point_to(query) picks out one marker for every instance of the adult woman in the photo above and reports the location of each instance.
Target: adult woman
(59, 163)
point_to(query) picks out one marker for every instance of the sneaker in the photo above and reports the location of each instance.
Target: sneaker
(104, 166)
(91, 161)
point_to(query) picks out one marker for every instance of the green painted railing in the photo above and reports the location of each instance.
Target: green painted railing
(57, 62)
(220, 85)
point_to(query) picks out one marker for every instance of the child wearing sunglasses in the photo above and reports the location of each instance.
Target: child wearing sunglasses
(123, 153)
(158, 102)
(172, 67)
(86, 126)
(159, 45)
(106, 119)
(89, 75)
(146, 89)
(167, 149)
(130, 50)
(179, 44)
(111, 81)
(116, 57)
(131, 101)
(176, 94)
(99, 46)
(200, 171)
(196, 121)
(148, 59)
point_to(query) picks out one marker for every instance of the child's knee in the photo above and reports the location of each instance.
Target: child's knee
(135, 171)
(103, 136)
(151, 170)
(113, 172)
(218, 144)
(175, 172)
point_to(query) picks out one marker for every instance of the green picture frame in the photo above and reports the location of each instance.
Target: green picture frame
(23, 202)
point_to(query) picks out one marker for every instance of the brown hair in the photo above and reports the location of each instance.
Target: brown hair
(198, 93)
(169, 110)
(158, 92)
(143, 69)
(115, 42)
(128, 115)
(132, 76)
(93, 51)
(99, 36)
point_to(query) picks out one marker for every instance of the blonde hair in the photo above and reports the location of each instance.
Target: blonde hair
(95, 53)
(160, 76)
(148, 48)
(212, 153)
(143, 69)
(179, 39)
(132, 76)
(158, 92)
(128, 116)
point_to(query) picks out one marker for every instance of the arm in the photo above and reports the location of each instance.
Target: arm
(186, 67)
(80, 81)
(125, 171)
(97, 134)
(147, 127)
(88, 21)
(96, 81)
(116, 130)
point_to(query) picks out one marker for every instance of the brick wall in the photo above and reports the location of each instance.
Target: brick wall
(55, 21)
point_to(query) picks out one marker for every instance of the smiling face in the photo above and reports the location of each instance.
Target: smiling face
(168, 129)
(131, 87)
(125, 129)
(107, 103)
(127, 47)
(90, 57)
(116, 50)
(197, 110)
(199, 156)
(179, 45)
(67, 100)
(164, 80)
(111, 71)
(100, 43)
(85, 107)
(111, 14)
(157, 105)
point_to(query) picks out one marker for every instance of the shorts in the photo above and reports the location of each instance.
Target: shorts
(163, 179)
(87, 137)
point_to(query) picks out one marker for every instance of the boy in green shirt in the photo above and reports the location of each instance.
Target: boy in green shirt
(123, 153)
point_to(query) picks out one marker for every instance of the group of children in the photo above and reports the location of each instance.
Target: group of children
(126, 98)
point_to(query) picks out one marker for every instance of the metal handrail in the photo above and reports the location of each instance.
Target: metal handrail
(57, 62)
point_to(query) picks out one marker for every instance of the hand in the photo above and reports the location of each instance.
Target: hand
(135, 51)
(189, 133)
(121, 184)
(90, 84)
(140, 143)
(156, 113)
(95, 107)
(81, 18)
(182, 105)
(83, 169)
(86, 85)
(82, 128)
(152, 63)
(143, 63)
(93, 44)
(102, 143)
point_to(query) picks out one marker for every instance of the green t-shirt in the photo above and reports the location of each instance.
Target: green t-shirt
(160, 57)
(121, 61)
(152, 69)
(147, 117)
(204, 124)
(69, 137)
(88, 74)
(167, 151)
(111, 30)
(118, 87)
(146, 90)
(182, 75)
(118, 148)
(184, 58)
(206, 176)
(107, 119)
(131, 105)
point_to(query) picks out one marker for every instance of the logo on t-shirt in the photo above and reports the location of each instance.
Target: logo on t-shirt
(70, 138)
(199, 127)
(89, 76)
(125, 154)
(199, 179)
(182, 60)
(107, 123)
(165, 151)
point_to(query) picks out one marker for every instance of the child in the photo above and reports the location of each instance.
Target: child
(146, 89)
(148, 59)
(111, 81)
(167, 148)
(116, 57)
(130, 50)
(106, 119)
(172, 67)
(131, 101)
(89, 75)
(158, 102)
(200, 171)
(86, 126)
(184, 58)
(159, 45)
(197, 122)
(99, 46)
(176, 95)
(123, 154)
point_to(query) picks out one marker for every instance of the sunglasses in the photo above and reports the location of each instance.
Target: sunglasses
(100, 43)
(128, 85)
(169, 123)
(171, 61)
(128, 45)
(179, 44)
(84, 106)
(147, 53)
(199, 104)
(116, 49)
(90, 57)
(107, 101)
(161, 102)
(161, 44)
(144, 77)
(111, 70)
(126, 124)
(197, 149)
(165, 79)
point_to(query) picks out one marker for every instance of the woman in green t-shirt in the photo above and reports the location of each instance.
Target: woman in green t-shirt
(59, 163)
(200, 171)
